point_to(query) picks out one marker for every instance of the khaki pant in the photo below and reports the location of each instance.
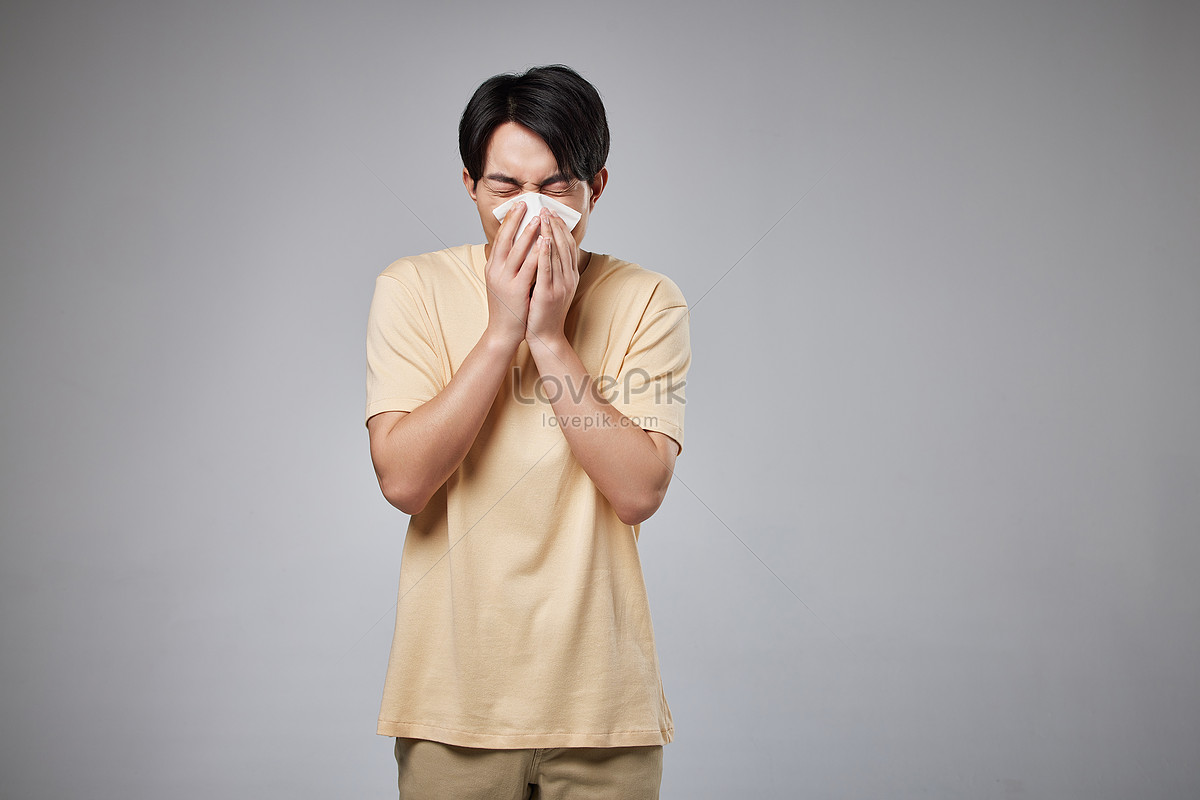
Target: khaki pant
(436, 771)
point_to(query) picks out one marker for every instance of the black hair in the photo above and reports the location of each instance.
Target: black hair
(555, 102)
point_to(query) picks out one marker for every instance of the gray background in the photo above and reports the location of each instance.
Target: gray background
(935, 531)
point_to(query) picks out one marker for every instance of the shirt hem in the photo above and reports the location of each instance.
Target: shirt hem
(519, 741)
(393, 404)
(661, 426)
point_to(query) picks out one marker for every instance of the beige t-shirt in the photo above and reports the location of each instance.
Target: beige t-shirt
(522, 618)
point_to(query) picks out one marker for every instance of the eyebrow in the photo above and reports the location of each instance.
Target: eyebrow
(557, 177)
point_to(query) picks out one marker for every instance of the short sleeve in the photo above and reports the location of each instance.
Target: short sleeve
(650, 387)
(403, 367)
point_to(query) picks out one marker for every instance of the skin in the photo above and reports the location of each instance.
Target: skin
(414, 453)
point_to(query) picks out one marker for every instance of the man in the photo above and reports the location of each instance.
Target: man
(525, 407)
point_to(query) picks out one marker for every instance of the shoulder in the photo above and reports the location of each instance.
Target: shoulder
(430, 269)
(634, 285)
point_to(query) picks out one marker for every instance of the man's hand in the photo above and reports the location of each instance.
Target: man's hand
(509, 272)
(557, 278)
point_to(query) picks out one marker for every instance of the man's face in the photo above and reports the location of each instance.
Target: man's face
(518, 160)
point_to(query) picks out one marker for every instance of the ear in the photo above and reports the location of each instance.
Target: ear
(469, 184)
(597, 185)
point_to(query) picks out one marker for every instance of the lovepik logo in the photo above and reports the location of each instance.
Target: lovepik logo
(634, 384)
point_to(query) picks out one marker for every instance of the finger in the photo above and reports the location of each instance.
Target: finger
(527, 272)
(564, 244)
(523, 248)
(508, 230)
(545, 272)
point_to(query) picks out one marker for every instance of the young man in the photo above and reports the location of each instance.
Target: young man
(525, 407)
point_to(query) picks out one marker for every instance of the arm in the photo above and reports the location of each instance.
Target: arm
(415, 452)
(630, 466)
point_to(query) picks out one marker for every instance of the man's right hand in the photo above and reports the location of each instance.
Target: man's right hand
(510, 271)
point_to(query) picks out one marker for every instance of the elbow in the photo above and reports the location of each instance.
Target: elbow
(633, 517)
(409, 499)
(399, 479)
(640, 502)
(636, 510)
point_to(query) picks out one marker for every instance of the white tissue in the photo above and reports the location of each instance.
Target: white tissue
(534, 203)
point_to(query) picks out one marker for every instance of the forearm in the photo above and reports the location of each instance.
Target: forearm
(618, 455)
(424, 447)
